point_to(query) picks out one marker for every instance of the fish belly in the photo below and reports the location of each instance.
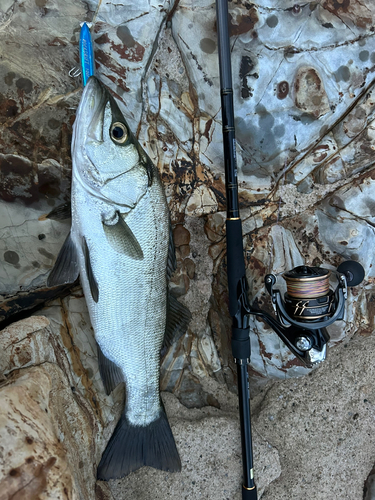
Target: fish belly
(129, 317)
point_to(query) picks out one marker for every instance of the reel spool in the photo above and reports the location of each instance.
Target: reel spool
(309, 306)
(308, 296)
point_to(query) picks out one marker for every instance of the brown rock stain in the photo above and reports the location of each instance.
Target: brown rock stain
(292, 362)
(355, 10)
(282, 90)
(8, 108)
(57, 42)
(320, 153)
(207, 129)
(181, 235)
(27, 482)
(264, 353)
(108, 63)
(243, 22)
(133, 54)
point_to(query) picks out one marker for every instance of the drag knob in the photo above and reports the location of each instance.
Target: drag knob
(353, 271)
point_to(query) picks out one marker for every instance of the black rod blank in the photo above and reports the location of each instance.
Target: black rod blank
(237, 286)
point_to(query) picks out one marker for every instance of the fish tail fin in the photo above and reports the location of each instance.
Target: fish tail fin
(132, 447)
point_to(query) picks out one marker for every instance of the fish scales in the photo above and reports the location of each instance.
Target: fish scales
(120, 244)
(134, 307)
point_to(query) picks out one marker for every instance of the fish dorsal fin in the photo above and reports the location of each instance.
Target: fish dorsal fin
(110, 373)
(122, 239)
(89, 272)
(171, 262)
(66, 269)
(178, 318)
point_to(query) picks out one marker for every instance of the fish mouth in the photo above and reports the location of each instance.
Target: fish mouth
(89, 119)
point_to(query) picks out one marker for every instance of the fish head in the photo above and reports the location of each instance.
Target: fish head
(107, 158)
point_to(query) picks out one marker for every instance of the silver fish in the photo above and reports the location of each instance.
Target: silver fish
(120, 243)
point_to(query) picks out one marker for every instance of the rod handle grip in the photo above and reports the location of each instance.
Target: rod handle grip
(241, 343)
(235, 261)
(249, 494)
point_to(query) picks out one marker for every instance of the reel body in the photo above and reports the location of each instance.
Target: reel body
(309, 306)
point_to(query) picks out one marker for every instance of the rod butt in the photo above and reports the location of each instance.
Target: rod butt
(249, 494)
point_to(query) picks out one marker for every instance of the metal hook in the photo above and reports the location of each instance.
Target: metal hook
(74, 72)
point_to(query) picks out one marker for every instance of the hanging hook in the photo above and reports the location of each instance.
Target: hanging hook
(74, 72)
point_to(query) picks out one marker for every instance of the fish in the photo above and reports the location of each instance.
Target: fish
(121, 246)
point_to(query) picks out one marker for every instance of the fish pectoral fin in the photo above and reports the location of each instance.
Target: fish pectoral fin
(89, 272)
(66, 269)
(178, 318)
(110, 373)
(122, 239)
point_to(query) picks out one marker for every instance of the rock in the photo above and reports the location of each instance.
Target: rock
(208, 441)
(369, 489)
(310, 95)
(319, 422)
(202, 201)
(304, 104)
(52, 416)
(181, 236)
(34, 460)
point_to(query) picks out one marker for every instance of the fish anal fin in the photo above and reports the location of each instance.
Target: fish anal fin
(110, 373)
(132, 447)
(178, 318)
(89, 272)
(66, 268)
(61, 212)
(122, 239)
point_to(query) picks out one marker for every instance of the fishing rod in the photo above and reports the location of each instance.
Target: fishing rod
(310, 304)
(237, 285)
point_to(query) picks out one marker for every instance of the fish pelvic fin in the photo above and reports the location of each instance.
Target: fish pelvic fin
(132, 447)
(66, 269)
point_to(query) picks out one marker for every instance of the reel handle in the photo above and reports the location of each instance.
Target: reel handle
(353, 272)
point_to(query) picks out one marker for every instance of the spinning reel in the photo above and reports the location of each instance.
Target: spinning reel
(309, 306)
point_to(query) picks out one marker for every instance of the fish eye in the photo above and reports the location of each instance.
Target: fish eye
(119, 133)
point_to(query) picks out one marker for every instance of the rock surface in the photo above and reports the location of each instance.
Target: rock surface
(322, 425)
(304, 99)
(304, 80)
(51, 427)
(313, 438)
(209, 444)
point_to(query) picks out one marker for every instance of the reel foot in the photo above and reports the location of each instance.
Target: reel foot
(353, 272)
